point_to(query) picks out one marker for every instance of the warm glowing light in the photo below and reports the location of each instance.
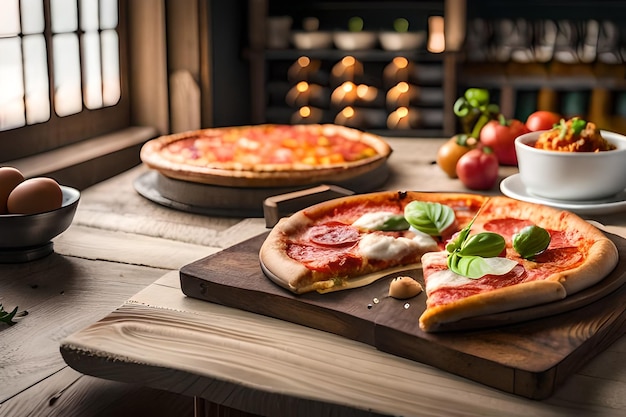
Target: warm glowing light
(436, 37)
(348, 112)
(348, 61)
(366, 92)
(402, 94)
(344, 94)
(305, 112)
(302, 86)
(400, 62)
(399, 119)
(304, 61)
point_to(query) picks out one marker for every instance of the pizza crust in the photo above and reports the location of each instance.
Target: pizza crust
(518, 296)
(264, 175)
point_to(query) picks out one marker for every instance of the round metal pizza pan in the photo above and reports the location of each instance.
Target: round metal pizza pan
(218, 200)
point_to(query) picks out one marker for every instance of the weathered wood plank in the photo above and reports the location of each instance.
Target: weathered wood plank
(238, 358)
(62, 295)
(68, 393)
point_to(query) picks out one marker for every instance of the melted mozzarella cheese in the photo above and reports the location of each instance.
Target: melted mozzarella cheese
(445, 278)
(373, 220)
(384, 247)
(425, 241)
(442, 277)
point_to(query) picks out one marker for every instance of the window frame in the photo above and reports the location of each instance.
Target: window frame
(61, 131)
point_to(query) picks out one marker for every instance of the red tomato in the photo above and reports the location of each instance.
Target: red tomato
(542, 120)
(478, 169)
(500, 136)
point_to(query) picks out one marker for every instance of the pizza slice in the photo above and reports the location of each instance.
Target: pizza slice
(578, 256)
(352, 241)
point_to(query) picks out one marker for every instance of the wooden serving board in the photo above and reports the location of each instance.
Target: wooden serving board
(527, 352)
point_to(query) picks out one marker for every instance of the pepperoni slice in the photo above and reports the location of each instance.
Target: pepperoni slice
(506, 227)
(333, 234)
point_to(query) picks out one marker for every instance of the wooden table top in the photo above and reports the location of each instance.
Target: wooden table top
(110, 299)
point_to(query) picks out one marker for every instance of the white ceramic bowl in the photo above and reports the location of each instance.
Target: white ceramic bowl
(312, 40)
(401, 41)
(354, 41)
(572, 176)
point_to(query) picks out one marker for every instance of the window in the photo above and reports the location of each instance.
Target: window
(62, 72)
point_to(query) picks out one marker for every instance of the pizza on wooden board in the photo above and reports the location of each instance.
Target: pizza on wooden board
(266, 155)
(479, 255)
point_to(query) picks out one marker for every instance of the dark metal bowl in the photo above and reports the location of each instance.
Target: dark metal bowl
(19, 231)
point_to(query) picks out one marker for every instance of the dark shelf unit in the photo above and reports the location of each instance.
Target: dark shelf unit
(596, 89)
(269, 67)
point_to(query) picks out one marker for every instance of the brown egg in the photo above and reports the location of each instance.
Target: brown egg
(35, 195)
(9, 179)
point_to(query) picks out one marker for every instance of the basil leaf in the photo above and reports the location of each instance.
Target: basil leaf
(475, 267)
(485, 244)
(393, 223)
(531, 241)
(428, 217)
(578, 125)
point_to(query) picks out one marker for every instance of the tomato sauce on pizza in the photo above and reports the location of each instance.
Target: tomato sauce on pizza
(266, 155)
(341, 243)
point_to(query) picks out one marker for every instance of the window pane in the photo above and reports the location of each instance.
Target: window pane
(9, 18)
(11, 84)
(36, 79)
(67, 91)
(64, 16)
(89, 15)
(91, 70)
(110, 67)
(108, 14)
(32, 16)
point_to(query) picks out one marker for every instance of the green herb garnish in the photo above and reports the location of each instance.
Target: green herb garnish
(393, 223)
(7, 317)
(430, 218)
(477, 255)
(531, 241)
(578, 125)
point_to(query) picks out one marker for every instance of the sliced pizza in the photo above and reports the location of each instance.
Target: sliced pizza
(479, 255)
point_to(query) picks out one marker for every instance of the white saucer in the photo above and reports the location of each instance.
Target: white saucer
(512, 187)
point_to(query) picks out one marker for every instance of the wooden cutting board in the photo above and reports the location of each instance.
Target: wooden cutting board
(528, 352)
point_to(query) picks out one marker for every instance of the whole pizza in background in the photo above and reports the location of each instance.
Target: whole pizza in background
(266, 155)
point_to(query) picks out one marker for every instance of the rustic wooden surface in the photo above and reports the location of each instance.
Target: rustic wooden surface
(543, 352)
(110, 297)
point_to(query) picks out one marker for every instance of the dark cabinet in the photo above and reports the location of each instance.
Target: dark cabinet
(377, 79)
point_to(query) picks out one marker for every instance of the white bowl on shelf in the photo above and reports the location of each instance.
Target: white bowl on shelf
(401, 41)
(354, 41)
(307, 40)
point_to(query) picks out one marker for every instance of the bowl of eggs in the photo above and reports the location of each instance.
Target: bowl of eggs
(32, 212)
